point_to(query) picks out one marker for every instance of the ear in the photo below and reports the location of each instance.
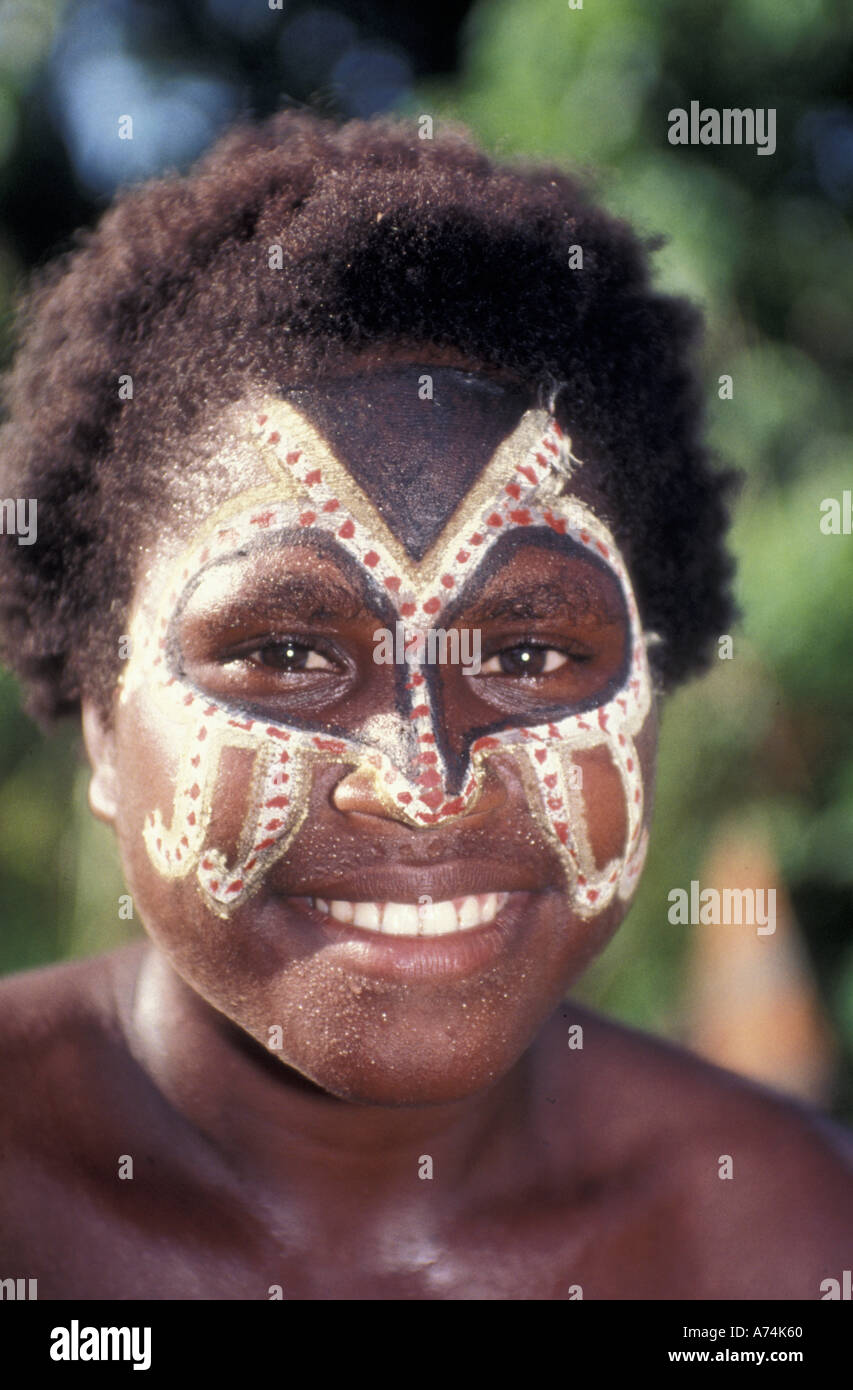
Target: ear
(100, 746)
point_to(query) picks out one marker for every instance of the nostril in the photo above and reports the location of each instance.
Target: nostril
(358, 794)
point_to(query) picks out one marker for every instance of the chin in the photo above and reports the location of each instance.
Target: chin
(408, 1086)
(398, 1057)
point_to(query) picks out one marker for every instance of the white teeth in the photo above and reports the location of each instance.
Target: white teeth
(491, 907)
(437, 919)
(366, 915)
(469, 913)
(405, 919)
(400, 919)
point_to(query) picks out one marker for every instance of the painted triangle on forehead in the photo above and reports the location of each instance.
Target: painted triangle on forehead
(414, 457)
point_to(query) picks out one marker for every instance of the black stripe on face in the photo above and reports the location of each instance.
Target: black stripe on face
(415, 459)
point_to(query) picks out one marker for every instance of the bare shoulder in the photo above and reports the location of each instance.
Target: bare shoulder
(77, 1115)
(755, 1188)
(58, 1036)
(71, 995)
(633, 1079)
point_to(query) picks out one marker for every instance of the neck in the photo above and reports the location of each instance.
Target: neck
(280, 1131)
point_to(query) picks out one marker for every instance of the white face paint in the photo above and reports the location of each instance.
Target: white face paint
(523, 486)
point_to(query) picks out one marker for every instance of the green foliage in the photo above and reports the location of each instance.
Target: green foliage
(59, 867)
(756, 240)
(767, 735)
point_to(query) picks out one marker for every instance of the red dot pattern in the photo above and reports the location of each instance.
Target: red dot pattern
(417, 784)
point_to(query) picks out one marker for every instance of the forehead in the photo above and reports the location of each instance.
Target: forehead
(414, 439)
(412, 455)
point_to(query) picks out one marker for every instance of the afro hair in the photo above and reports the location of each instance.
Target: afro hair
(384, 238)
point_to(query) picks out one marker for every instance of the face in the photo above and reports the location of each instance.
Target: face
(380, 857)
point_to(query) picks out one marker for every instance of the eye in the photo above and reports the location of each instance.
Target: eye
(528, 659)
(287, 655)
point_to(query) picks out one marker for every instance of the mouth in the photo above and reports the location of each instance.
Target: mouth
(446, 938)
(425, 919)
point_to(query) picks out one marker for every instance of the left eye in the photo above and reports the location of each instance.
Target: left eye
(525, 660)
(289, 656)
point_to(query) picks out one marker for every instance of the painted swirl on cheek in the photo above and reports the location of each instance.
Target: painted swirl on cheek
(523, 486)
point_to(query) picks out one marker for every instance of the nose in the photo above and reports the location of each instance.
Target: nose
(358, 793)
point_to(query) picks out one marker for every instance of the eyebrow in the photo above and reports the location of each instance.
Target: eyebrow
(313, 598)
(576, 598)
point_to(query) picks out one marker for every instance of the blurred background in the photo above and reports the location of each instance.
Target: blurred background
(756, 774)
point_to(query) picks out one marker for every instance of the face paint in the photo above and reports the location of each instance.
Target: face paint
(523, 488)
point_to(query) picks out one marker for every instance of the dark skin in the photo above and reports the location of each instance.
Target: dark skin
(552, 1167)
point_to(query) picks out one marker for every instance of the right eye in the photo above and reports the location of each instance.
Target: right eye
(528, 659)
(287, 655)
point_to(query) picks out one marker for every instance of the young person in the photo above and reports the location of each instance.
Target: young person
(369, 589)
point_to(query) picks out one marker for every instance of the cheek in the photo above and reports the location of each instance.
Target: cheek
(192, 792)
(647, 747)
(222, 795)
(601, 806)
(594, 801)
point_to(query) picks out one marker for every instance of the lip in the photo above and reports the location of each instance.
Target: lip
(405, 883)
(454, 955)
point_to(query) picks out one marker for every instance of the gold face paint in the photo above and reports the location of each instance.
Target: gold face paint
(523, 487)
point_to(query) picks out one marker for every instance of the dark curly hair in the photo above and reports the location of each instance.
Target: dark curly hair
(385, 238)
